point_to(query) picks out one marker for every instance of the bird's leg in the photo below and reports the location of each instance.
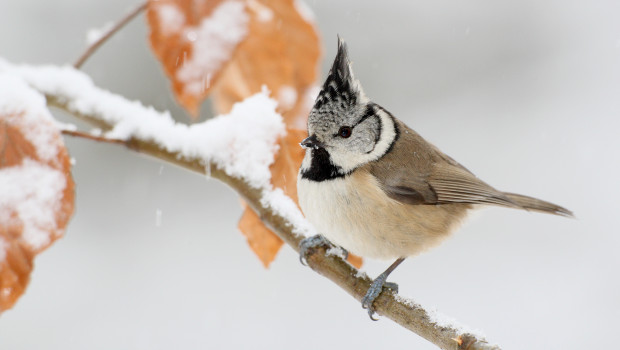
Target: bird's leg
(310, 243)
(377, 286)
(307, 245)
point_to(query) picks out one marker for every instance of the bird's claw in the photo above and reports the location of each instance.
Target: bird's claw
(307, 245)
(374, 291)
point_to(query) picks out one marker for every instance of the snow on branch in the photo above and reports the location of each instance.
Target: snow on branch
(242, 143)
(237, 149)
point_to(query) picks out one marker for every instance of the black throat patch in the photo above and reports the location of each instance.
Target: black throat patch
(321, 167)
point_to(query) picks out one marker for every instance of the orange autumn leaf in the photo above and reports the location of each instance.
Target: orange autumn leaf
(252, 42)
(281, 51)
(261, 240)
(193, 40)
(355, 260)
(288, 160)
(37, 194)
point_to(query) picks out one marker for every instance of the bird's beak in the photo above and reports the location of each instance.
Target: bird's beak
(312, 142)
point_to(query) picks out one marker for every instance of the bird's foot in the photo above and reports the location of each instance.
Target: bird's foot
(308, 245)
(374, 291)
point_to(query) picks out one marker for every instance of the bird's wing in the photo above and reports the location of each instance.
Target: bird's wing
(446, 184)
(416, 172)
(454, 184)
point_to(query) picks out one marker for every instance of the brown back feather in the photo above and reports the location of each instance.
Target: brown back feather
(416, 172)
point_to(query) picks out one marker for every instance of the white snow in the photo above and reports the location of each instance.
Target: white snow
(65, 126)
(336, 251)
(362, 274)
(284, 206)
(32, 192)
(304, 10)
(263, 13)
(191, 35)
(171, 19)
(287, 96)
(23, 106)
(441, 320)
(213, 42)
(242, 143)
(94, 34)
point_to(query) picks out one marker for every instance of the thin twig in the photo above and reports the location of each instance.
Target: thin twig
(115, 28)
(93, 137)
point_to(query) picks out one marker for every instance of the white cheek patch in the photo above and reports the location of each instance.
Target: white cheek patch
(349, 161)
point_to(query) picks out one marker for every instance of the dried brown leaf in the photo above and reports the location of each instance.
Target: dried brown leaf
(288, 160)
(281, 51)
(355, 260)
(24, 162)
(262, 241)
(194, 40)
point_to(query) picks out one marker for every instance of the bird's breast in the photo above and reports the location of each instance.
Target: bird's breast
(355, 213)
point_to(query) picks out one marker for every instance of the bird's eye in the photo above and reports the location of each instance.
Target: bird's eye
(345, 132)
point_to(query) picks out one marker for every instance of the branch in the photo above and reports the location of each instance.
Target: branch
(92, 137)
(115, 28)
(75, 93)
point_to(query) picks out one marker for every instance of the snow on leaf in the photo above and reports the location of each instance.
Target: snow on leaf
(194, 39)
(36, 188)
(281, 51)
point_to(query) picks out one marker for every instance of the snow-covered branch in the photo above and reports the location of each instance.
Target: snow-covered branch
(237, 149)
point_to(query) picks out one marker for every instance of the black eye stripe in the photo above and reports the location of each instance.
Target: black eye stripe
(369, 112)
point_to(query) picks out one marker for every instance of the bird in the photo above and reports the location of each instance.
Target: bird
(374, 187)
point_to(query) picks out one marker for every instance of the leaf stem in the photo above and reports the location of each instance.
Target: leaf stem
(115, 28)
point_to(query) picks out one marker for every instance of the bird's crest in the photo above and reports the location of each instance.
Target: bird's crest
(340, 87)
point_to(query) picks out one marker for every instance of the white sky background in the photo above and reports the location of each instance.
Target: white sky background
(525, 94)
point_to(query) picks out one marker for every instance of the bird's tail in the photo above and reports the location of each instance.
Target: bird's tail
(529, 203)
